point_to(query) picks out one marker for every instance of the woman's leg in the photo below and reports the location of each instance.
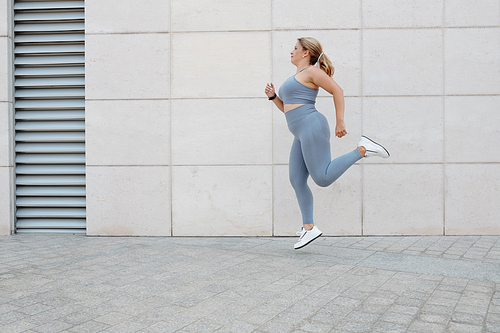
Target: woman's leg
(315, 144)
(299, 174)
(298, 177)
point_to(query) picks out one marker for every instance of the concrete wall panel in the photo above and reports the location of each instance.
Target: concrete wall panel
(411, 128)
(220, 15)
(218, 65)
(402, 13)
(464, 13)
(405, 199)
(222, 200)
(4, 18)
(402, 62)
(221, 131)
(5, 200)
(316, 14)
(472, 125)
(6, 119)
(472, 199)
(5, 69)
(472, 61)
(127, 66)
(128, 132)
(129, 16)
(128, 201)
(5, 141)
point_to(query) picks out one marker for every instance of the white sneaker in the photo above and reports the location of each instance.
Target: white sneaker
(373, 148)
(306, 237)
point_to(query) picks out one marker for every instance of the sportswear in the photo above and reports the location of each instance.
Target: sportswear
(294, 92)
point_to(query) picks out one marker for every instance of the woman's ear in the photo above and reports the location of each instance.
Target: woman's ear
(306, 53)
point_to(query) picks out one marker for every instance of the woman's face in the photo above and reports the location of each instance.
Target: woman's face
(297, 53)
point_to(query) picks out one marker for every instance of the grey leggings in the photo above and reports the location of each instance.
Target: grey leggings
(311, 155)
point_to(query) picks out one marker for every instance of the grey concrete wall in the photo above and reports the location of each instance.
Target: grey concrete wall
(181, 139)
(6, 120)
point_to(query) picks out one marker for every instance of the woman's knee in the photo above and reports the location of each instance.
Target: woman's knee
(322, 181)
(298, 182)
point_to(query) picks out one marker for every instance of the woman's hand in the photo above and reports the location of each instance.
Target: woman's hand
(271, 93)
(270, 90)
(340, 130)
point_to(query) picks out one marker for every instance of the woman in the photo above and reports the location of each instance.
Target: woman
(310, 154)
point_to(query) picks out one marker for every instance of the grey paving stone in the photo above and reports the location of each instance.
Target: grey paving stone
(433, 252)
(255, 318)
(435, 266)
(450, 288)
(411, 310)
(237, 327)
(464, 328)
(113, 318)
(494, 309)
(373, 308)
(353, 326)
(493, 317)
(479, 309)
(82, 315)
(411, 252)
(46, 317)
(201, 326)
(340, 284)
(492, 327)
(446, 302)
(309, 326)
(5, 308)
(17, 326)
(53, 327)
(423, 326)
(346, 302)
(451, 256)
(388, 327)
(11, 317)
(34, 309)
(277, 326)
(453, 296)
(411, 302)
(434, 318)
(437, 309)
(378, 299)
(416, 294)
(326, 317)
(398, 318)
(467, 318)
(87, 327)
(356, 294)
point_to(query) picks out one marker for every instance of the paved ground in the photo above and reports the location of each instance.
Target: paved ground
(65, 283)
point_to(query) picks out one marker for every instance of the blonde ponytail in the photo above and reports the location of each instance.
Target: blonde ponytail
(326, 65)
(317, 54)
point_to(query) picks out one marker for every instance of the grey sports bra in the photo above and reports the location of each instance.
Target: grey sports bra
(294, 92)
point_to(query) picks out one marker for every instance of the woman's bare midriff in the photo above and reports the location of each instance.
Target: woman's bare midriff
(289, 107)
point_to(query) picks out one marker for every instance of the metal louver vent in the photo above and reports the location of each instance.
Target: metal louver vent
(49, 60)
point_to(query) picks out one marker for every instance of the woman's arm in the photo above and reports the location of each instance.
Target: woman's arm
(321, 79)
(277, 101)
(279, 104)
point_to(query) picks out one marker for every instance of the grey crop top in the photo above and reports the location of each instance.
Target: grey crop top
(294, 92)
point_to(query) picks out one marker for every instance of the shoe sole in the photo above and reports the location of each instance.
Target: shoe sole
(378, 144)
(297, 248)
